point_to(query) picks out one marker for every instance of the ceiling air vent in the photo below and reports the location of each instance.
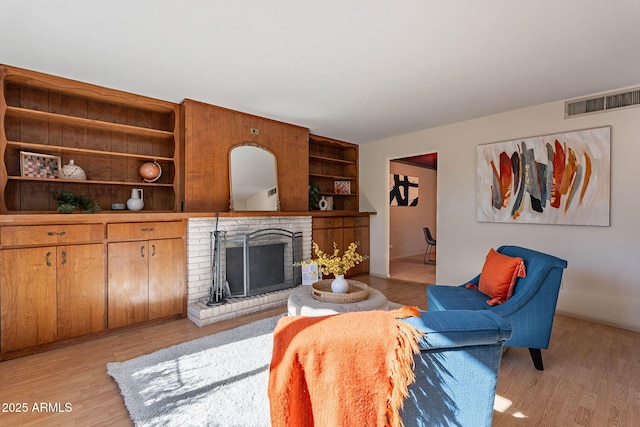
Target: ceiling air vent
(600, 103)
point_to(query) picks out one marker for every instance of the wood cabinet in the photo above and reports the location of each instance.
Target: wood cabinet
(28, 298)
(326, 232)
(343, 231)
(81, 290)
(331, 160)
(50, 293)
(356, 229)
(108, 133)
(146, 276)
(61, 281)
(211, 132)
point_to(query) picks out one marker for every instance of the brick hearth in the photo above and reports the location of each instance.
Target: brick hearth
(199, 274)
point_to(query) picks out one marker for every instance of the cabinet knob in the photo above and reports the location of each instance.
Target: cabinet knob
(48, 259)
(153, 250)
(143, 229)
(64, 257)
(54, 233)
(142, 251)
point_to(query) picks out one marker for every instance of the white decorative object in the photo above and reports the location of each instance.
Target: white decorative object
(136, 202)
(72, 171)
(310, 274)
(323, 204)
(339, 285)
(329, 203)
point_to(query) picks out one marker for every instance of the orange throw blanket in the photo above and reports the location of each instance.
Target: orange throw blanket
(350, 369)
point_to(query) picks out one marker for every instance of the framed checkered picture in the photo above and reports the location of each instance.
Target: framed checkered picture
(34, 165)
(342, 187)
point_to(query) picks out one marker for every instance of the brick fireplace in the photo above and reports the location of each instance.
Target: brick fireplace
(200, 272)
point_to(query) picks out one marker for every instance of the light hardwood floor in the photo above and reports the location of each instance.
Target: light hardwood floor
(592, 374)
(413, 269)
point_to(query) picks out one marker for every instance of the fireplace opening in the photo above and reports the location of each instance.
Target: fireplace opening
(258, 262)
(265, 269)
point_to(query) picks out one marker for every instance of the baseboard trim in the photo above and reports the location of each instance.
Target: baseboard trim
(606, 322)
(381, 276)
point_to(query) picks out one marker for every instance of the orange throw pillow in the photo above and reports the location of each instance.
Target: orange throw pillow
(499, 275)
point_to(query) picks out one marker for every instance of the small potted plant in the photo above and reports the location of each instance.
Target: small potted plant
(314, 196)
(67, 202)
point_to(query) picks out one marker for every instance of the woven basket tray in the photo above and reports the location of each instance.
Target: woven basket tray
(321, 291)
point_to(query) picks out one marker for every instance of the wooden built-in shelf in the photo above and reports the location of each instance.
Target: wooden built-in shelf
(54, 149)
(331, 160)
(88, 181)
(338, 194)
(108, 133)
(337, 177)
(17, 112)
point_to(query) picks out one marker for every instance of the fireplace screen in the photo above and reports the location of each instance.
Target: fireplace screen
(258, 262)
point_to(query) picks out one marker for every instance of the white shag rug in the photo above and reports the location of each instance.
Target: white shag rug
(218, 380)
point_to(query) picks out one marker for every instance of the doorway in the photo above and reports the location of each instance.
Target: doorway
(413, 206)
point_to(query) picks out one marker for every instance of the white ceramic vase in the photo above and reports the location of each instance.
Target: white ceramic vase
(323, 204)
(136, 202)
(339, 285)
(72, 171)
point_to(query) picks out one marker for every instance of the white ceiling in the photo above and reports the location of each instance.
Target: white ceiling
(358, 70)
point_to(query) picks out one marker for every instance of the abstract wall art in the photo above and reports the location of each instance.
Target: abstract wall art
(403, 190)
(553, 179)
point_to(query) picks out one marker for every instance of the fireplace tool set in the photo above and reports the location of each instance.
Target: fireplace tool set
(219, 287)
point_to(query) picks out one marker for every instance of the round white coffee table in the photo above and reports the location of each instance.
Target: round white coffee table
(302, 303)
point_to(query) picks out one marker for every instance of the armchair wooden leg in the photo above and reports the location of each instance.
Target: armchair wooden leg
(536, 356)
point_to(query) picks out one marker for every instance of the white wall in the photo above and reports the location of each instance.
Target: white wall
(602, 281)
(262, 202)
(406, 222)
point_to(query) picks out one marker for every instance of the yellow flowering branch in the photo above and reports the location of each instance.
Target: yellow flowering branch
(335, 264)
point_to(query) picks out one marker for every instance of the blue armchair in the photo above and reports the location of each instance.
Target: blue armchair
(531, 308)
(457, 368)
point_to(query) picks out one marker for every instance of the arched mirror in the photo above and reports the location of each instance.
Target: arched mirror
(253, 180)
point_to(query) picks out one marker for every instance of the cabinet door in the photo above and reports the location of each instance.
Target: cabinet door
(325, 239)
(128, 283)
(81, 291)
(27, 297)
(166, 278)
(361, 235)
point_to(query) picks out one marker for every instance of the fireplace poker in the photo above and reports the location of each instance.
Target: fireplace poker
(216, 291)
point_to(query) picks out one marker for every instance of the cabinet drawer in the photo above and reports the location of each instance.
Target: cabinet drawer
(144, 230)
(22, 235)
(356, 221)
(319, 223)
